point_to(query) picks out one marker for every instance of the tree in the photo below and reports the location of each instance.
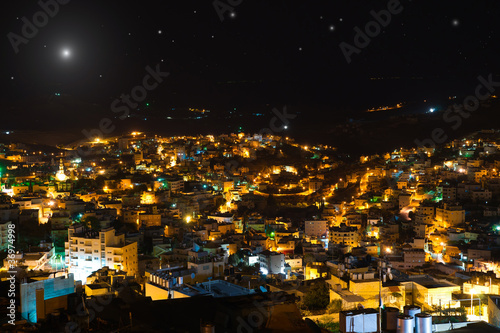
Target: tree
(309, 257)
(335, 306)
(233, 259)
(92, 222)
(318, 296)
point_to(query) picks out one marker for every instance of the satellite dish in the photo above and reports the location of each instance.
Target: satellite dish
(264, 290)
(192, 276)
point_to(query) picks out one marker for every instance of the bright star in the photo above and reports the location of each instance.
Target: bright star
(455, 22)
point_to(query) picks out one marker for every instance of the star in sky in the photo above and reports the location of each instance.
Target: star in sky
(455, 22)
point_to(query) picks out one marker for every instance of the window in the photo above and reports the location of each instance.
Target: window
(96, 251)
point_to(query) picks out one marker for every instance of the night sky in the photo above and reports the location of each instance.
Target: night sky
(263, 54)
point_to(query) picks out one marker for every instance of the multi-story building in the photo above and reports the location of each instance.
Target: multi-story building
(481, 195)
(316, 228)
(404, 200)
(4, 233)
(344, 235)
(272, 262)
(413, 258)
(408, 259)
(88, 251)
(478, 254)
(149, 220)
(450, 215)
(175, 185)
(449, 194)
(426, 210)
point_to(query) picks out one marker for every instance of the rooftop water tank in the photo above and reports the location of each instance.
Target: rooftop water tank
(390, 319)
(405, 324)
(411, 310)
(423, 323)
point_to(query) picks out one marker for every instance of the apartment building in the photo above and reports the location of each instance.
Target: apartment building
(316, 228)
(89, 250)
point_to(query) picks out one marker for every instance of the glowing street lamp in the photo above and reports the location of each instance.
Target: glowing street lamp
(472, 291)
(188, 219)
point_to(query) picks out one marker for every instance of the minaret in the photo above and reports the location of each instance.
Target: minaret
(60, 175)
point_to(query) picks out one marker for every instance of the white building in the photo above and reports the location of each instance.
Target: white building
(272, 262)
(88, 251)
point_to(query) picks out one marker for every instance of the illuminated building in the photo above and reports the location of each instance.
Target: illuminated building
(410, 258)
(40, 298)
(88, 251)
(149, 220)
(316, 228)
(344, 235)
(315, 185)
(148, 198)
(60, 175)
(272, 262)
(315, 270)
(164, 284)
(450, 215)
(428, 292)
